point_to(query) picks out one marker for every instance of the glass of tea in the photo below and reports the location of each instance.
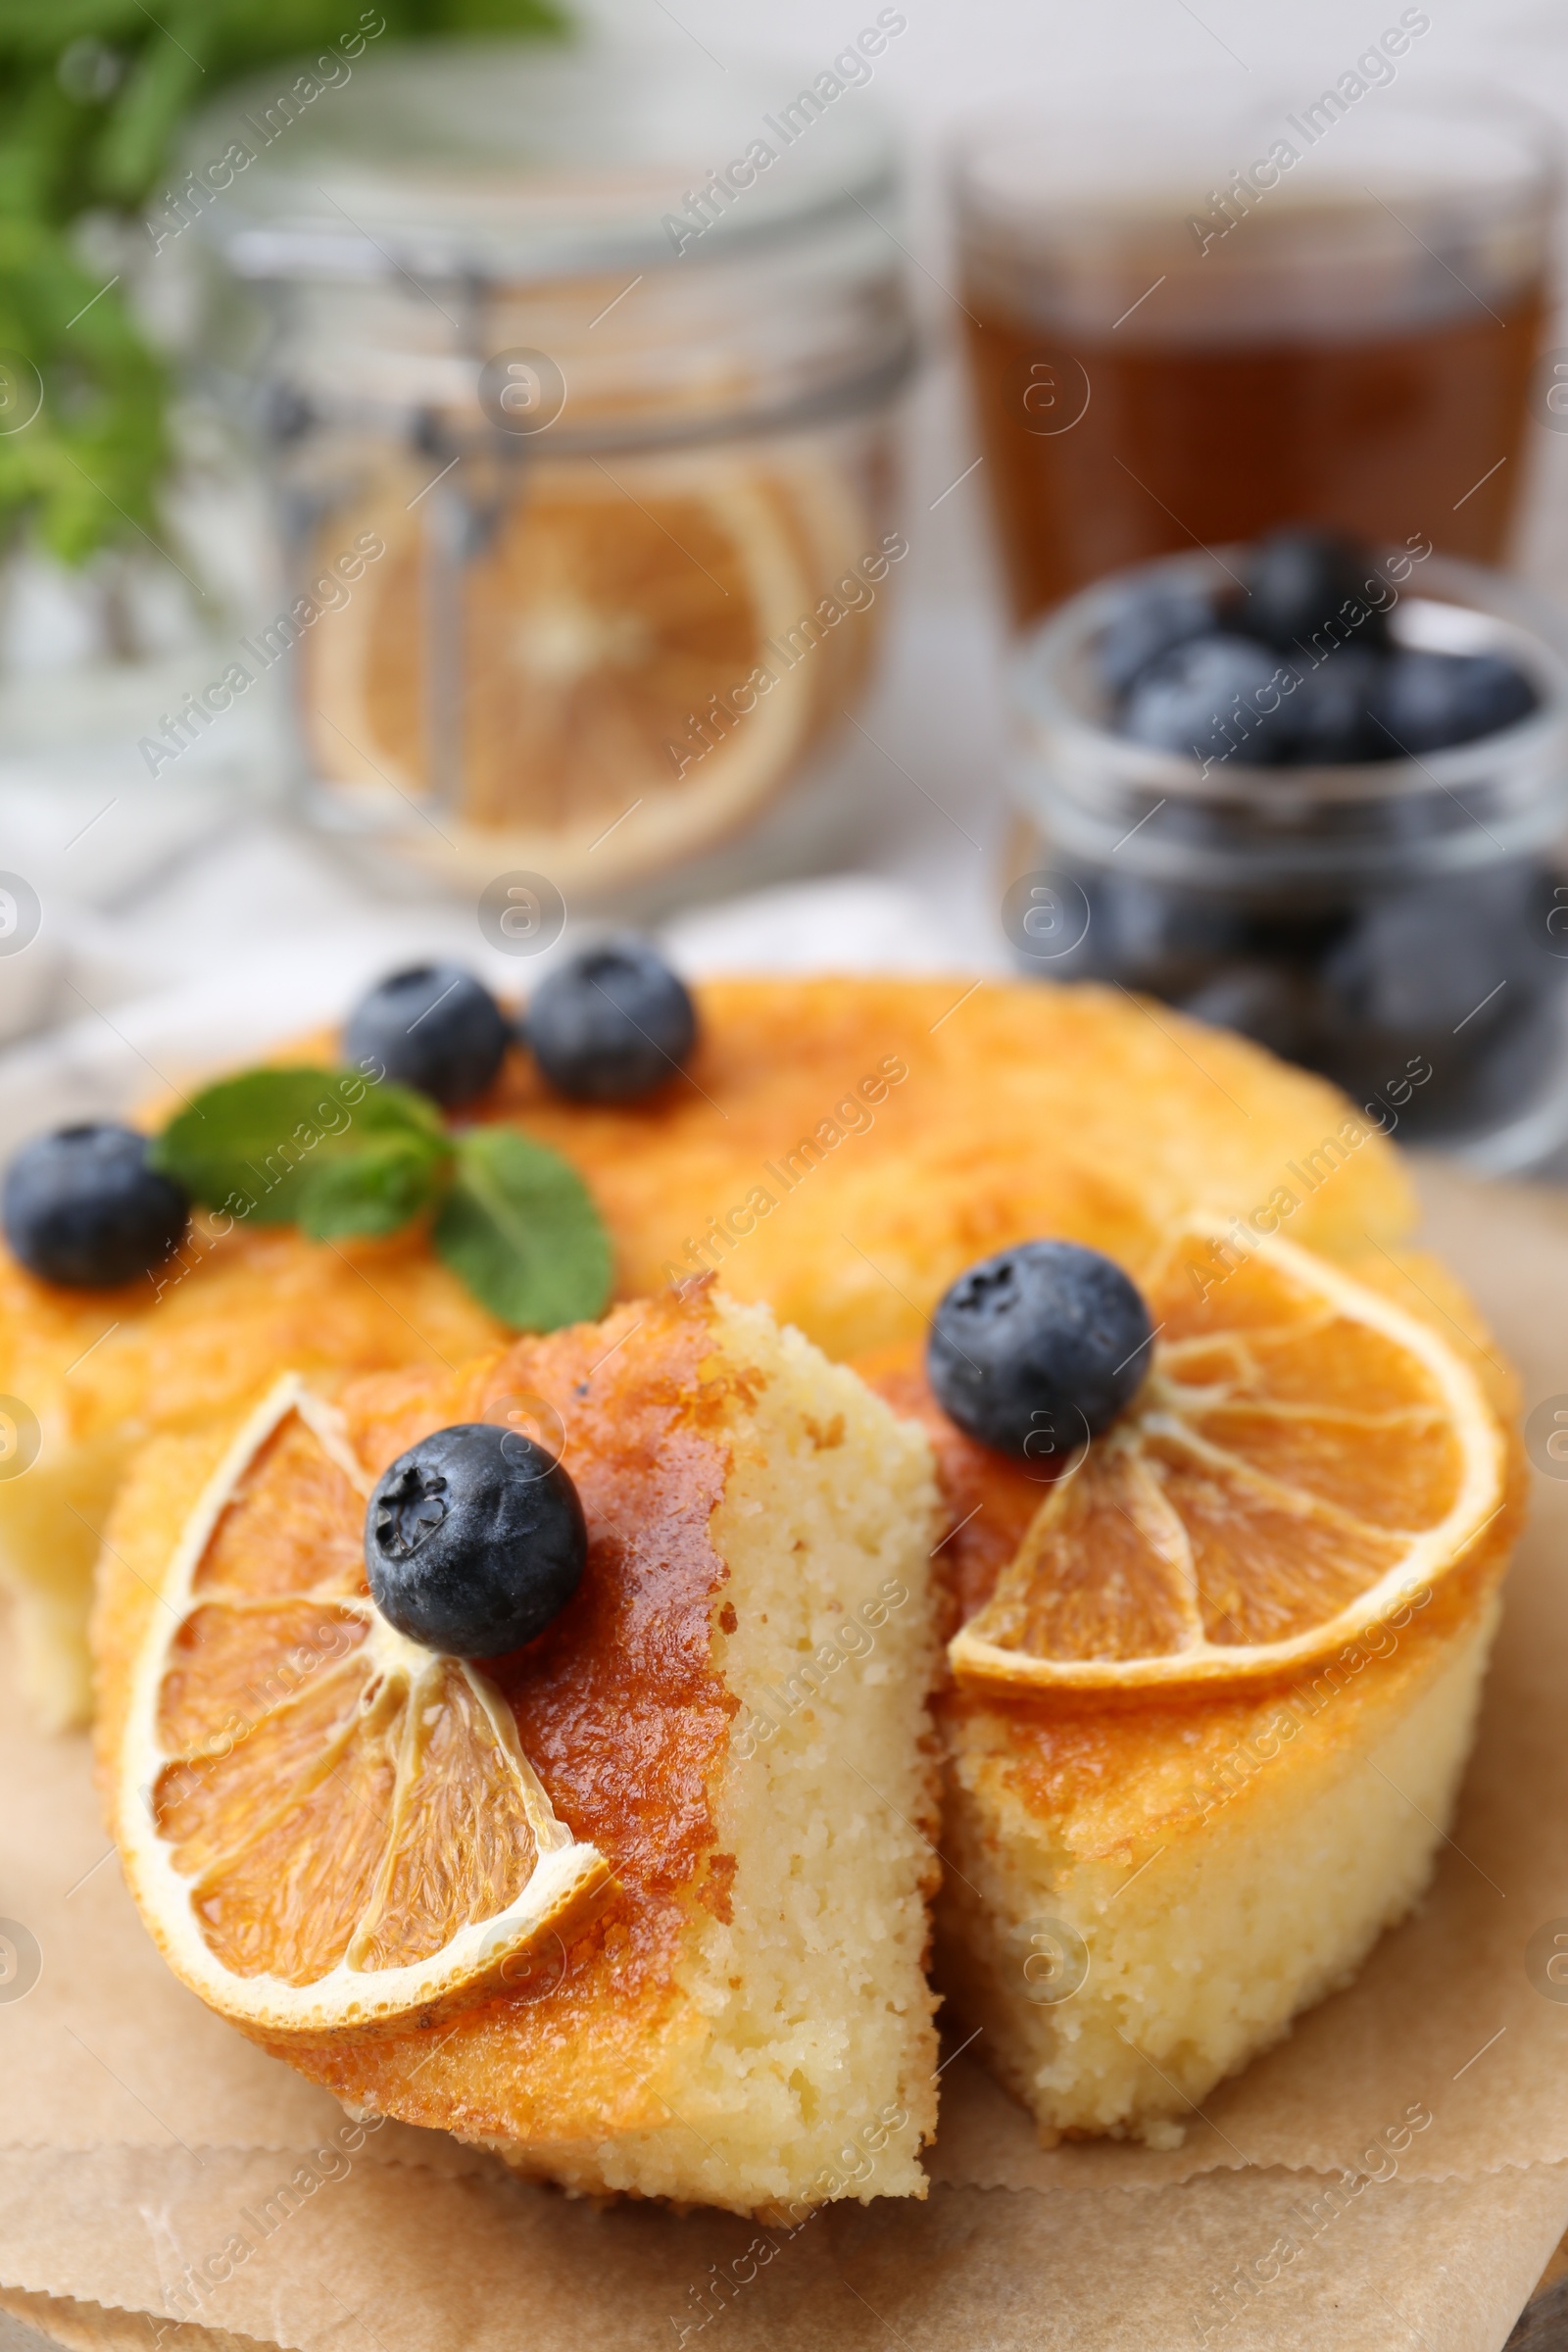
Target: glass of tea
(1187, 327)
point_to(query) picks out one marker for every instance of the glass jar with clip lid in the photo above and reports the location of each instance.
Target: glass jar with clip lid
(576, 387)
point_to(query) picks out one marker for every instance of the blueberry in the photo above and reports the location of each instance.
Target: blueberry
(1423, 959)
(473, 1541)
(1039, 1347)
(81, 1206)
(433, 1027)
(1216, 699)
(1159, 933)
(613, 1023)
(1299, 581)
(1147, 620)
(1270, 1003)
(1331, 710)
(1430, 702)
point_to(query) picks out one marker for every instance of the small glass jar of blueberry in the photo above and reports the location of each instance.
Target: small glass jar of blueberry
(1315, 793)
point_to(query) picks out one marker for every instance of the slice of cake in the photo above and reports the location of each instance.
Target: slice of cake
(641, 1904)
(1138, 1904)
(1217, 1675)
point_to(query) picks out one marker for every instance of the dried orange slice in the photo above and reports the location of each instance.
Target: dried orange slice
(829, 518)
(602, 645)
(326, 1826)
(1302, 1455)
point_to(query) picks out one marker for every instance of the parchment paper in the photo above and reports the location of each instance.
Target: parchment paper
(136, 2132)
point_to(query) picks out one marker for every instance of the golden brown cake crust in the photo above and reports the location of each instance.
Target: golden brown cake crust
(1108, 1773)
(1108, 1776)
(841, 1149)
(617, 1705)
(1024, 1110)
(209, 1331)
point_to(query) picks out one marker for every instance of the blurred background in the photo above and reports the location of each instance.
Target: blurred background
(472, 470)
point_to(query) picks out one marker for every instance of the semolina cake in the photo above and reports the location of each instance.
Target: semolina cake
(730, 1715)
(838, 1148)
(1146, 1884)
(1212, 1671)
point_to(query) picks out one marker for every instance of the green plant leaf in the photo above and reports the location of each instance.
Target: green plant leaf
(378, 1189)
(248, 1145)
(96, 98)
(520, 1229)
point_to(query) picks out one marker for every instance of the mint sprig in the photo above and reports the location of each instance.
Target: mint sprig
(376, 1190)
(342, 1154)
(519, 1227)
(265, 1145)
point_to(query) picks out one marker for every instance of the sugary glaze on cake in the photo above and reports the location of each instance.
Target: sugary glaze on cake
(841, 1149)
(929, 1124)
(633, 1646)
(1026, 1110)
(681, 1418)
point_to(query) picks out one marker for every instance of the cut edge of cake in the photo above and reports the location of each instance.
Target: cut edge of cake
(810, 2074)
(1117, 1986)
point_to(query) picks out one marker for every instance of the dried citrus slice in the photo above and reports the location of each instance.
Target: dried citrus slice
(830, 519)
(1303, 1455)
(602, 645)
(324, 1824)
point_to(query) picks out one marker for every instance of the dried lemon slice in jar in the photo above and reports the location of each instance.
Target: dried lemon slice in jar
(829, 518)
(604, 641)
(1304, 1456)
(326, 1826)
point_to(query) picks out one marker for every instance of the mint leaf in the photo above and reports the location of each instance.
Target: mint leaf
(248, 1144)
(337, 1154)
(377, 1188)
(519, 1227)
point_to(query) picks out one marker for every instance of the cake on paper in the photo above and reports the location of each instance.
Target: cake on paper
(619, 1913)
(1224, 1492)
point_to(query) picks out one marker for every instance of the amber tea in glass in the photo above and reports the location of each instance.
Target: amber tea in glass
(1186, 329)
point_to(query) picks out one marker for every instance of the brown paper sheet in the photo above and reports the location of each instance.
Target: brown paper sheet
(395, 2259)
(135, 2127)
